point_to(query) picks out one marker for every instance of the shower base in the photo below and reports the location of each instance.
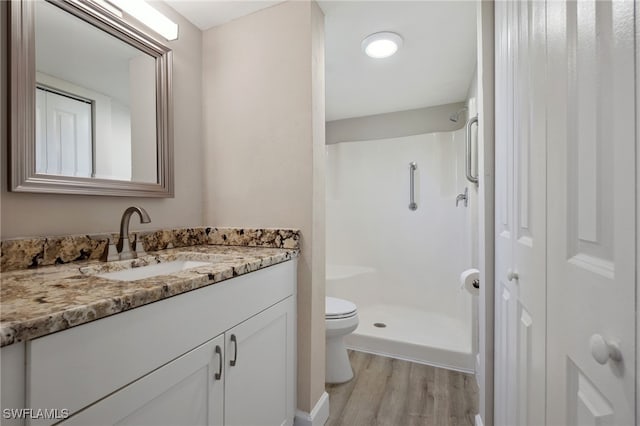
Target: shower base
(414, 335)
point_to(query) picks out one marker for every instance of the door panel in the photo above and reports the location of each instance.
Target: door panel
(590, 406)
(591, 239)
(530, 210)
(503, 197)
(504, 381)
(63, 135)
(521, 227)
(590, 183)
(525, 378)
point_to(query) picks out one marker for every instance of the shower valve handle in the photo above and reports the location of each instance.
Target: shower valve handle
(463, 197)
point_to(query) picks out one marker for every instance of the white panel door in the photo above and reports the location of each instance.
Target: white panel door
(520, 213)
(504, 369)
(529, 211)
(187, 391)
(592, 211)
(63, 135)
(259, 382)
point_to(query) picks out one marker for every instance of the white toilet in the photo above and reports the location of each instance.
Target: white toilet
(341, 318)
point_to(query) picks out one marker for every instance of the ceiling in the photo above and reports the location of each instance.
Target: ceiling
(206, 14)
(434, 67)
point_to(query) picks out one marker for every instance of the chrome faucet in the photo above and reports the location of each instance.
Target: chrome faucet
(124, 246)
(463, 197)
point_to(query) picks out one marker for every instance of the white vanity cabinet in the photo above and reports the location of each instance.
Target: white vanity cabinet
(186, 391)
(252, 384)
(158, 364)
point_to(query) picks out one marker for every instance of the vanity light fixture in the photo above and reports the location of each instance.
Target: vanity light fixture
(108, 7)
(148, 15)
(382, 44)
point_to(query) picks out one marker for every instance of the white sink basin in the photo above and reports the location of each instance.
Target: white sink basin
(142, 272)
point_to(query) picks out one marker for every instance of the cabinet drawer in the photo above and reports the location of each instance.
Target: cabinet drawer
(76, 367)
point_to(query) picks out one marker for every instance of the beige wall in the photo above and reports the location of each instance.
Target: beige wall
(257, 159)
(25, 214)
(264, 148)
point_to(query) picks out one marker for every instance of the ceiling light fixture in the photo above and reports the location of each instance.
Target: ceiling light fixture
(382, 44)
(148, 15)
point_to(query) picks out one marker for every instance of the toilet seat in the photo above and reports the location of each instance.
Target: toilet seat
(339, 308)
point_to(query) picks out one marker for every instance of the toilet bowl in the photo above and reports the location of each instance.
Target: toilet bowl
(341, 318)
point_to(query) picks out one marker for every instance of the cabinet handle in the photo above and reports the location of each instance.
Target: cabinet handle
(219, 353)
(235, 350)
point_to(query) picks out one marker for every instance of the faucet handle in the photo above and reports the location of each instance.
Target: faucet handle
(138, 248)
(110, 250)
(126, 252)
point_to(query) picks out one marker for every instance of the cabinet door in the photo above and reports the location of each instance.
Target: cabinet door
(260, 368)
(186, 391)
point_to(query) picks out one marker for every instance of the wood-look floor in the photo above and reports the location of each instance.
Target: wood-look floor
(391, 392)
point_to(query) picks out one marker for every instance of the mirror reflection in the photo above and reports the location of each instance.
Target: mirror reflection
(95, 102)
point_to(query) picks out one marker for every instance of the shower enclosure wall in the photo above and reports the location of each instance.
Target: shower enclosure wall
(400, 266)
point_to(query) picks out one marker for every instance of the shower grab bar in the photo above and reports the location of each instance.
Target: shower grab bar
(470, 177)
(412, 202)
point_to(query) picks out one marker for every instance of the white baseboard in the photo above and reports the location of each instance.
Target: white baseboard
(317, 417)
(478, 420)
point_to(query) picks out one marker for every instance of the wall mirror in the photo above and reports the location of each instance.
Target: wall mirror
(90, 102)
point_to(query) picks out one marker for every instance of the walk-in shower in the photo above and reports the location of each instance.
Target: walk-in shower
(400, 262)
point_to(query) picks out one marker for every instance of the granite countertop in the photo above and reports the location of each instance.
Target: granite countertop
(40, 301)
